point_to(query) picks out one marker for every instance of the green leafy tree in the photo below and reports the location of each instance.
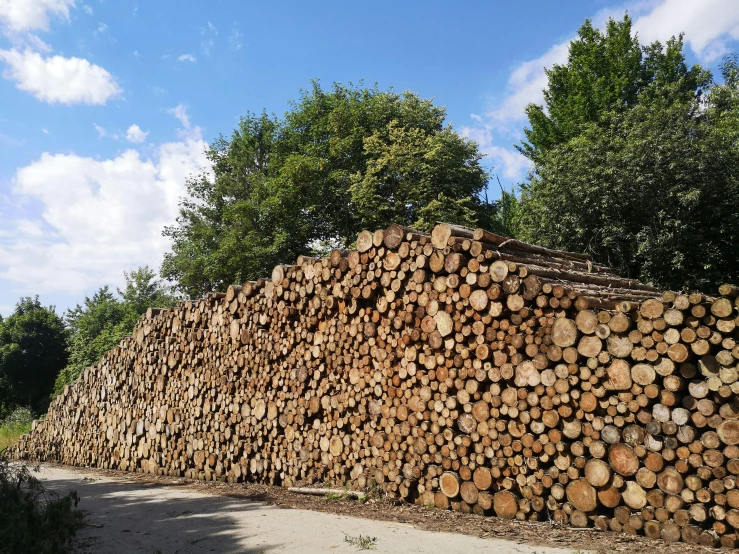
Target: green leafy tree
(635, 161)
(33, 344)
(607, 74)
(99, 324)
(337, 162)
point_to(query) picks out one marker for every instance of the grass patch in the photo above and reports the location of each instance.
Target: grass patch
(12, 427)
(10, 433)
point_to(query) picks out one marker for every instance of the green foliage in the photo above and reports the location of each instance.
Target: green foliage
(338, 161)
(32, 350)
(34, 519)
(104, 319)
(635, 161)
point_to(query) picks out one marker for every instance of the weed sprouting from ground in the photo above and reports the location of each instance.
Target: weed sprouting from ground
(361, 542)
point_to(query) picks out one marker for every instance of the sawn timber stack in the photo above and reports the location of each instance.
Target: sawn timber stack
(459, 369)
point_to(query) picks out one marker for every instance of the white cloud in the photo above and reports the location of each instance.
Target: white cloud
(34, 43)
(101, 30)
(234, 39)
(98, 217)
(87, 9)
(58, 79)
(708, 25)
(187, 58)
(209, 41)
(45, 131)
(103, 132)
(180, 112)
(23, 16)
(135, 134)
(509, 163)
(526, 84)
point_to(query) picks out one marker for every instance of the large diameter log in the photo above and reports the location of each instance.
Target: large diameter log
(505, 504)
(622, 459)
(395, 234)
(564, 332)
(597, 472)
(581, 495)
(441, 233)
(449, 484)
(365, 241)
(728, 431)
(634, 496)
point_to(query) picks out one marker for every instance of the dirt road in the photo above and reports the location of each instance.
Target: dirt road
(136, 516)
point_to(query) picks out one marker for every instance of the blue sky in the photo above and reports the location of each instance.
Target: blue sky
(106, 106)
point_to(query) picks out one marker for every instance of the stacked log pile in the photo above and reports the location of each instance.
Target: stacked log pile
(459, 369)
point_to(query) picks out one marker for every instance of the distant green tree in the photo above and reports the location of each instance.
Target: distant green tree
(636, 161)
(103, 320)
(337, 162)
(32, 350)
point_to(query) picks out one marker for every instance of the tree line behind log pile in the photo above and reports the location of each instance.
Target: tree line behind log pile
(459, 369)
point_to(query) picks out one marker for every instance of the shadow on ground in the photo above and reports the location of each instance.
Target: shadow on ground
(159, 518)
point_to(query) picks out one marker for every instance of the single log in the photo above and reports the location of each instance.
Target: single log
(325, 492)
(486, 236)
(449, 484)
(441, 233)
(365, 241)
(581, 494)
(505, 504)
(623, 460)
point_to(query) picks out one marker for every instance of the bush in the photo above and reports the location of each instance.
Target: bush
(34, 519)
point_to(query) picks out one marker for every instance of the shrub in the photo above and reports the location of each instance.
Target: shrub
(34, 519)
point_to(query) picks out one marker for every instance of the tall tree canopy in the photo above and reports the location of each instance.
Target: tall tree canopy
(99, 324)
(33, 344)
(635, 160)
(337, 162)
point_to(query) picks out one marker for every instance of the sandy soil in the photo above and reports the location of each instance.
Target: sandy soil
(142, 513)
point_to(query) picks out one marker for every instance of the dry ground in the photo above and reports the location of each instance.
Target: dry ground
(144, 513)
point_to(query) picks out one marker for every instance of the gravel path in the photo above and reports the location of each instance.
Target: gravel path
(130, 515)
